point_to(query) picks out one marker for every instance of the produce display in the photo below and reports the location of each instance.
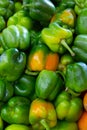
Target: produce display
(43, 64)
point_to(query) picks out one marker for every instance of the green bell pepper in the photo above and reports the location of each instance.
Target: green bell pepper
(80, 48)
(81, 24)
(57, 38)
(15, 36)
(80, 5)
(6, 8)
(65, 125)
(1, 124)
(16, 110)
(17, 127)
(2, 23)
(6, 90)
(64, 61)
(48, 84)
(25, 86)
(67, 107)
(22, 18)
(12, 64)
(42, 115)
(41, 10)
(77, 74)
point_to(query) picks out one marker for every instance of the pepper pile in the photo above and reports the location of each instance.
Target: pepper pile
(43, 64)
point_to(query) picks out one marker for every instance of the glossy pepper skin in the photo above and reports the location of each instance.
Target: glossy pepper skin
(80, 48)
(48, 84)
(41, 57)
(66, 17)
(67, 107)
(77, 73)
(6, 90)
(15, 36)
(22, 18)
(42, 114)
(12, 64)
(16, 110)
(25, 86)
(57, 38)
(6, 8)
(41, 10)
(17, 127)
(81, 23)
(79, 6)
(65, 125)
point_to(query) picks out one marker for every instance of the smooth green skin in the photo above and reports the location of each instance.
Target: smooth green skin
(2, 23)
(65, 125)
(57, 38)
(17, 127)
(12, 64)
(15, 36)
(48, 85)
(77, 73)
(6, 90)
(22, 18)
(81, 23)
(42, 10)
(25, 86)
(1, 123)
(68, 108)
(80, 47)
(16, 110)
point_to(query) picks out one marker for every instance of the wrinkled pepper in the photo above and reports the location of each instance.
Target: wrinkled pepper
(41, 57)
(41, 10)
(80, 5)
(6, 90)
(80, 48)
(81, 24)
(22, 18)
(65, 17)
(65, 125)
(77, 74)
(12, 64)
(57, 38)
(17, 127)
(42, 115)
(67, 107)
(48, 84)
(6, 8)
(15, 36)
(16, 110)
(25, 86)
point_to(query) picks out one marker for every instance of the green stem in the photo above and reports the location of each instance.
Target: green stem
(34, 73)
(67, 47)
(44, 123)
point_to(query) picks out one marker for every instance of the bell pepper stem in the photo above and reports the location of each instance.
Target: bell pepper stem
(67, 47)
(44, 123)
